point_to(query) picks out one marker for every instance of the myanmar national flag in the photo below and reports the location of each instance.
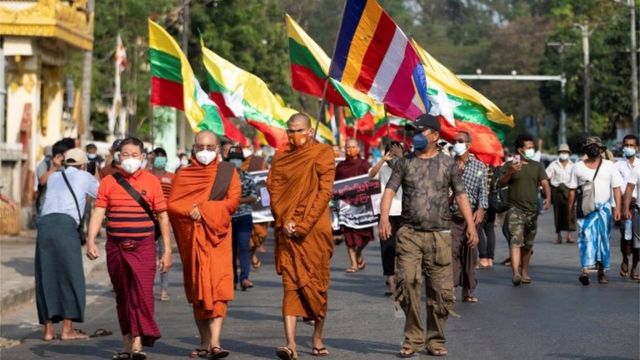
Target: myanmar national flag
(310, 71)
(472, 111)
(245, 95)
(174, 84)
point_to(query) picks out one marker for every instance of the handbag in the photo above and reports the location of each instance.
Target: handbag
(81, 234)
(498, 198)
(138, 198)
(586, 196)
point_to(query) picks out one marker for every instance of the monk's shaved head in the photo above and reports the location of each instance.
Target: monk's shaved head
(352, 143)
(299, 117)
(206, 137)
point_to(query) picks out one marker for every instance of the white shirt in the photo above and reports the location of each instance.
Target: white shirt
(608, 178)
(634, 178)
(625, 169)
(559, 174)
(58, 199)
(396, 204)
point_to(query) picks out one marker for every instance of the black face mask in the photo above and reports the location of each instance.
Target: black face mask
(592, 151)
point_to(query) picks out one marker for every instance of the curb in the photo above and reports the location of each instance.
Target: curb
(26, 294)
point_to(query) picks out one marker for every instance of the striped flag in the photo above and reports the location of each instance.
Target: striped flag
(375, 57)
(310, 71)
(472, 111)
(174, 84)
(247, 96)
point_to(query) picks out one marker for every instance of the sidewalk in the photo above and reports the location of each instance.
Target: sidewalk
(17, 281)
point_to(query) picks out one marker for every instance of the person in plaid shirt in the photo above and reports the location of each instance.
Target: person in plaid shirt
(474, 176)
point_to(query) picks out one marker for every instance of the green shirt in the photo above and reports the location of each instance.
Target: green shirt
(523, 185)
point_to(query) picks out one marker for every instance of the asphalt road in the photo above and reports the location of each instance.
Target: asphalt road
(553, 318)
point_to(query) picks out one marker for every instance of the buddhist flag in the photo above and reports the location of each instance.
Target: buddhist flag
(310, 71)
(472, 111)
(174, 84)
(245, 95)
(375, 57)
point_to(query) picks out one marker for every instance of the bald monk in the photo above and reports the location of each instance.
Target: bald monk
(260, 231)
(300, 184)
(202, 229)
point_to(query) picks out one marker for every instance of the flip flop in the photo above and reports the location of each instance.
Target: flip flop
(101, 332)
(362, 264)
(217, 353)
(319, 351)
(138, 355)
(199, 353)
(406, 353)
(286, 353)
(526, 280)
(256, 264)
(437, 352)
(470, 299)
(121, 356)
(351, 270)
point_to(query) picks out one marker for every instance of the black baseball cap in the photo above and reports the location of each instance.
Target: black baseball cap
(235, 152)
(426, 121)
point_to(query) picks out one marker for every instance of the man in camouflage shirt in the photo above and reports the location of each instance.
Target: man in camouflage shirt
(424, 238)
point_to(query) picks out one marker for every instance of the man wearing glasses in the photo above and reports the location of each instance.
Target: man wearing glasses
(300, 184)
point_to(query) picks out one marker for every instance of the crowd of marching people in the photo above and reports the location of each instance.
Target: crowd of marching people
(438, 210)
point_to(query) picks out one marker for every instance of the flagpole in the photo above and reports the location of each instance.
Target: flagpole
(386, 117)
(326, 81)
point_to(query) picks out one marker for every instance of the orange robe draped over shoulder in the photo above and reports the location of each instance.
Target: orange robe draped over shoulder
(300, 184)
(205, 245)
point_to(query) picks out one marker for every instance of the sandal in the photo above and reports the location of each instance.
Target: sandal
(351, 270)
(246, 284)
(362, 264)
(121, 356)
(217, 353)
(526, 280)
(256, 264)
(406, 353)
(470, 299)
(437, 352)
(319, 351)
(100, 332)
(635, 277)
(138, 355)
(624, 270)
(584, 279)
(286, 353)
(199, 353)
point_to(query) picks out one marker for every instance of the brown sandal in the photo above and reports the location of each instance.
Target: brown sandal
(319, 351)
(285, 353)
(217, 353)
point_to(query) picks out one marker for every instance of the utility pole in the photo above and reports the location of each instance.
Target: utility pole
(182, 122)
(584, 28)
(562, 126)
(87, 67)
(634, 69)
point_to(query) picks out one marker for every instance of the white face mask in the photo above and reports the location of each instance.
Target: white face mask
(246, 153)
(205, 157)
(131, 165)
(92, 156)
(564, 156)
(459, 148)
(184, 162)
(530, 153)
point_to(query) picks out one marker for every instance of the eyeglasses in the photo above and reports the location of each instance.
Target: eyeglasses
(204, 147)
(294, 131)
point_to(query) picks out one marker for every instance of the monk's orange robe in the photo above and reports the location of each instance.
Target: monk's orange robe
(205, 245)
(300, 184)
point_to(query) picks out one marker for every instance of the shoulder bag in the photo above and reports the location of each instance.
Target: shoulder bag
(139, 199)
(498, 198)
(81, 234)
(586, 196)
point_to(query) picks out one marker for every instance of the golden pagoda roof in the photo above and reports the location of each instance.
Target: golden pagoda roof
(68, 20)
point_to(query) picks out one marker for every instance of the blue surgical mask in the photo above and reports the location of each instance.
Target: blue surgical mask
(420, 142)
(629, 152)
(530, 154)
(160, 162)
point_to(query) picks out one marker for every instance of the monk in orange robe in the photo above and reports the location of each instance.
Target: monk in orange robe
(300, 184)
(202, 229)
